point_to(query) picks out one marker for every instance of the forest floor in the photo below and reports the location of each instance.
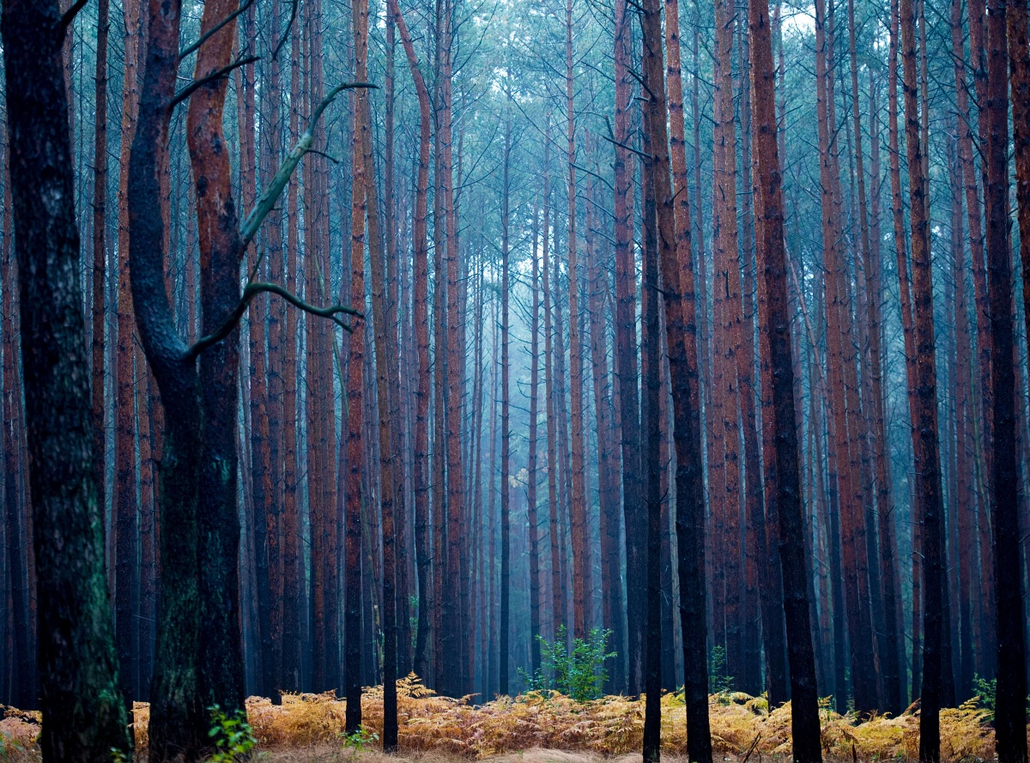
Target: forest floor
(551, 728)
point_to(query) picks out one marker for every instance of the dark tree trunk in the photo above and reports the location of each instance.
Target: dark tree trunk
(504, 655)
(923, 391)
(650, 377)
(626, 360)
(421, 321)
(353, 530)
(783, 479)
(76, 655)
(531, 458)
(1010, 712)
(23, 668)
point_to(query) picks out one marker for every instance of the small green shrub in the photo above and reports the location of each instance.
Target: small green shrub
(234, 739)
(719, 680)
(359, 740)
(580, 673)
(986, 692)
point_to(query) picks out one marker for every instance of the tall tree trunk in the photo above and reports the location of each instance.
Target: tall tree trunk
(608, 485)
(293, 591)
(531, 457)
(581, 563)
(420, 300)
(782, 468)
(100, 253)
(125, 397)
(270, 149)
(978, 61)
(353, 647)
(559, 607)
(626, 359)
(384, 321)
(674, 245)
(923, 390)
(892, 659)
(76, 652)
(505, 649)
(962, 374)
(1019, 65)
(1010, 712)
(650, 382)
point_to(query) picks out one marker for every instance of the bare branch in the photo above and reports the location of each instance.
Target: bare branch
(196, 84)
(286, 34)
(628, 148)
(332, 312)
(266, 202)
(69, 17)
(214, 30)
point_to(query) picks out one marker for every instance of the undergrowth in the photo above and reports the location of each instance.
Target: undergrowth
(433, 727)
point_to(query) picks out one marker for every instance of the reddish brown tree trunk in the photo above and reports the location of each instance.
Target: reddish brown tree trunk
(100, 249)
(581, 563)
(421, 325)
(673, 244)
(505, 619)
(923, 392)
(626, 356)
(125, 447)
(292, 559)
(559, 607)
(782, 472)
(1010, 711)
(531, 457)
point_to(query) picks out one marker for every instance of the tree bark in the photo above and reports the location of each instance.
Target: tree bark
(782, 473)
(923, 391)
(626, 359)
(76, 654)
(1010, 712)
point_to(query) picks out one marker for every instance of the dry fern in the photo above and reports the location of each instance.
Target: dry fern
(534, 727)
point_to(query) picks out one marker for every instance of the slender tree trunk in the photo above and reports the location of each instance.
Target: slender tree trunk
(384, 321)
(421, 320)
(782, 468)
(270, 149)
(674, 245)
(293, 591)
(100, 252)
(626, 359)
(892, 665)
(1010, 712)
(559, 611)
(125, 447)
(650, 381)
(923, 389)
(608, 485)
(505, 649)
(353, 647)
(531, 457)
(962, 372)
(23, 675)
(577, 507)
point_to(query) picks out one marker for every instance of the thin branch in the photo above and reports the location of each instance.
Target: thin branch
(196, 84)
(332, 312)
(69, 17)
(628, 148)
(266, 202)
(324, 155)
(592, 174)
(286, 34)
(214, 30)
